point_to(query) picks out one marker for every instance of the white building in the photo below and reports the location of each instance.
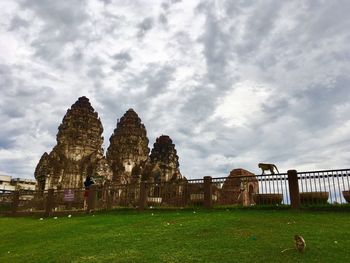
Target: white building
(23, 184)
(5, 183)
(9, 184)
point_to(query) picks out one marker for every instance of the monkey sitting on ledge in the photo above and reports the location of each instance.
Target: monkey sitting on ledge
(268, 167)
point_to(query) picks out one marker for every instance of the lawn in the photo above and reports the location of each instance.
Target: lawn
(221, 235)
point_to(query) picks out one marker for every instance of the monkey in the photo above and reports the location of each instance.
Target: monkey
(300, 244)
(268, 167)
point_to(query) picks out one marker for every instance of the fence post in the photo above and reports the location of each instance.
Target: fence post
(143, 196)
(49, 202)
(91, 199)
(107, 192)
(15, 202)
(293, 189)
(207, 192)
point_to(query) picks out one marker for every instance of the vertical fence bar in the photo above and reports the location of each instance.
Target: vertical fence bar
(343, 188)
(91, 199)
(143, 196)
(15, 202)
(108, 198)
(294, 189)
(338, 196)
(320, 178)
(335, 189)
(49, 202)
(207, 192)
(329, 186)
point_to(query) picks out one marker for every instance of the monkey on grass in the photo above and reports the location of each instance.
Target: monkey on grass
(268, 167)
(300, 244)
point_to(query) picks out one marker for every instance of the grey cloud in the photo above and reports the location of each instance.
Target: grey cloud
(298, 51)
(95, 72)
(259, 25)
(215, 47)
(60, 13)
(145, 26)
(201, 102)
(22, 113)
(6, 77)
(12, 108)
(95, 68)
(158, 79)
(167, 4)
(62, 24)
(163, 19)
(6, 142)
(318, 103)
(119, 66)
(328, 18)
(122, 56)
(155, 78)
(122, 59)
(18, 22)
(214, 84)
(106, 2)
(314, 112)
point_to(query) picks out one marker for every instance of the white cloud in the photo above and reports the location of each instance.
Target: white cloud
(243, 104)
(233, 83)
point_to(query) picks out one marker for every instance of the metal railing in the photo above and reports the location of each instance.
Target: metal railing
(322, 187)
(293, 189)
(273, 189)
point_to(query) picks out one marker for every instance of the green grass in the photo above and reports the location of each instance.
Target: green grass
(226, 235)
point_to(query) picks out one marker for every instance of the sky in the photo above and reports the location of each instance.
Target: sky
(233, 83)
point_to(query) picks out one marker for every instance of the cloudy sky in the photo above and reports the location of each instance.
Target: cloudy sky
(233, 83)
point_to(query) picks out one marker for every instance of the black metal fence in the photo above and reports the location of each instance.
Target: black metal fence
(273, 189)
(174, 194)
(324, 187)
(330, 187)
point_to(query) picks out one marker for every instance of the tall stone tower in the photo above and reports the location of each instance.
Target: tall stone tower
(78, 152)
(128, 149)
(163, 164)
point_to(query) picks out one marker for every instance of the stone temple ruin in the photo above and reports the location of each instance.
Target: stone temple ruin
(239, 188)
(163, 164)
(128, 150)
(79, 153)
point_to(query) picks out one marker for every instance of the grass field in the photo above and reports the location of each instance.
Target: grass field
(233, 235)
